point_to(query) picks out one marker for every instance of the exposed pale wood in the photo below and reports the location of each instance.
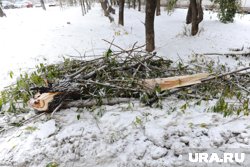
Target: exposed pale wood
(175, 82)
(41, 102)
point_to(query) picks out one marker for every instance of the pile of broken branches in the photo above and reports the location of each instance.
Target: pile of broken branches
(124, 75)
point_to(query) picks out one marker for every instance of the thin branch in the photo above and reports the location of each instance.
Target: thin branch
(90, 103)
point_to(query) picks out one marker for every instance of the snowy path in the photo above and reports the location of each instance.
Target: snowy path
(115, 136)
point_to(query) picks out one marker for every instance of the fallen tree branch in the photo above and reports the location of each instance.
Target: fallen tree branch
(93, 102)
(225, 54)
(171, 92)
(132, 74)
(225, 74)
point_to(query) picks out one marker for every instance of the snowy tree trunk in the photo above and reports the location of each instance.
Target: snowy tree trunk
(129, 5)
(149, 24)
(194, 15)
(42, 4)
(139, 5)
(134, 4)
(195, 24)
(158, 7)
(105, 8)
(2, 14)
(200, 10)
(83, 7)
(89, 5)
(121, 12)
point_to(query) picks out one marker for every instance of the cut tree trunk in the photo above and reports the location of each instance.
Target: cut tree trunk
(149, 24)
(158, 7)
(121, 12)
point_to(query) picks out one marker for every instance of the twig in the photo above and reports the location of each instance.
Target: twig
(136, 64)
(225, 74)
(77, 72)
(136, 70)
(91, 74)
(123, 50)
(225, 54)
(56, 109)
(114, 45)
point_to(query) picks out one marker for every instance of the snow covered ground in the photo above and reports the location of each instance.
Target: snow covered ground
(119, 135)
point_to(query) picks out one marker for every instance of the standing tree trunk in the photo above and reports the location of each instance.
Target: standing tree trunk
(82, 3)
(2, 14)
(149, 24)
(195, 25)
(200, 11)
(121, 12)
(106, 10)
(134, 4)
(189, 14)
(42, 4)
(129, 5)
(158, 7)
(194, 15)
(88, 4)
(139, 5)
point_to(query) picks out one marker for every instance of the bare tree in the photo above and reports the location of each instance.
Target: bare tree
(121, 12)
(139, 5)
(149, 24)
(194, 15)
(158, 7)
(42, 4)
(2, 14)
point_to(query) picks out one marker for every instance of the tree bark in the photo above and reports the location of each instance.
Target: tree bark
(139, 5)
(194, 15)
(129, 5)
(134, 4)
(149, 24)
(42, 4)
(121, 12)
(158, 7)
(195, 24)
(83, 7)
(189, 14)
(106, 10)
(200, 11)
(2, 14)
